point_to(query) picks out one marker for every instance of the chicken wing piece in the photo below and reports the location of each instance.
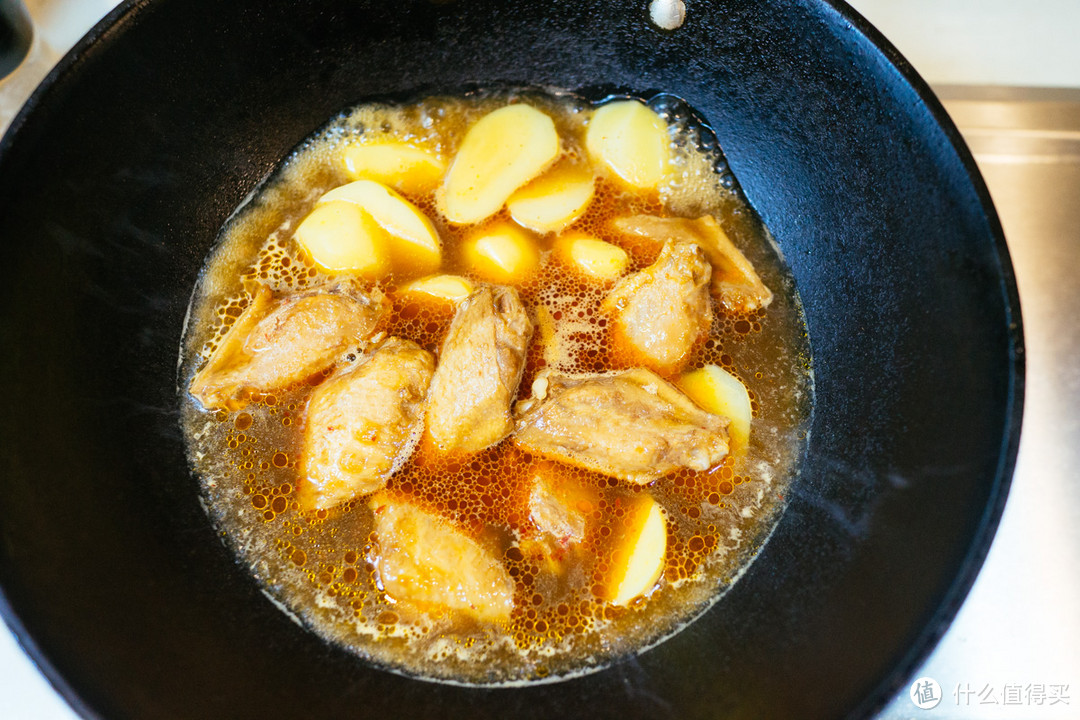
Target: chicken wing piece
(480, 366)
(426, 564)
(661, 311)
(363, 424)
(632, 425)
(277, 342)
(735, 283)
(559, 506)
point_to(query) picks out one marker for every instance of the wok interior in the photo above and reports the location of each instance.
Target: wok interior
(113, 189)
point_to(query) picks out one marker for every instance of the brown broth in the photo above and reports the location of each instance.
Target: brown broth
(318, 565)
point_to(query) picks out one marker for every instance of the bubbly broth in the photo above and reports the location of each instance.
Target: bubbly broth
(321, 564)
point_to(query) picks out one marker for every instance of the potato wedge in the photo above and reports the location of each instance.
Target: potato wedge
(501, 152)
(415, 247)
(400, 165)
(554, 200)
(443, 287)
(631, 141)
(591, 256)
(341, 237)
(719, 392)
(502, 253)
(638, 558)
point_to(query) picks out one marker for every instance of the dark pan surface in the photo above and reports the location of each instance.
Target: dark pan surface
(116, 179)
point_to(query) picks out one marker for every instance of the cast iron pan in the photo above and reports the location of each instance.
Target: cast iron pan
(116, 179)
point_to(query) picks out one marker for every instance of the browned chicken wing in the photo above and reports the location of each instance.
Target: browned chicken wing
(277, 342)
(662, 311)
(735, 283)
(480, 366)
(631, 425)
(425, 564)
(362, 424)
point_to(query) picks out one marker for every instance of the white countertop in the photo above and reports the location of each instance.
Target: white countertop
(1016, 640)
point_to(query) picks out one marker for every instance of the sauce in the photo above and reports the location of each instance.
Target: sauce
(321, 564)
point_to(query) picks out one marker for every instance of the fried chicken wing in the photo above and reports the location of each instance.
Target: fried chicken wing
(662, 311)
(632, 425)
(426, 564)
(363, 424)
(479, 369)
(735, 283)
(278, 342)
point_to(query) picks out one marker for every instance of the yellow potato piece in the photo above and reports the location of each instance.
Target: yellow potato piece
(415, 245)
(632, 141)
(638, 560)
(502, 253)
(340, 237)
(501, 152)
(444, 287)
(592, 257)
(400, 165)
(719, 392)
(554, 200)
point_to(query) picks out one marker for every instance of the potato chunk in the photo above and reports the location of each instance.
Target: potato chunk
(591, 256)
(414, 243)
(631, 141)
(427, 565)
(502, 253)
(400, 165)
(719, 392)
(341, 238)
(501, 152)
(443, 287)
(554, 200)
(639, 549)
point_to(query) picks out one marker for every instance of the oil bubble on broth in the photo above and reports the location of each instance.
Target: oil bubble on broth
(564, 616)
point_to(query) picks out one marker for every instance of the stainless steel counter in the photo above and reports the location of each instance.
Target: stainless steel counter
(1014, 649)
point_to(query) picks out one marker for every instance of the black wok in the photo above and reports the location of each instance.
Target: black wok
(116, 178)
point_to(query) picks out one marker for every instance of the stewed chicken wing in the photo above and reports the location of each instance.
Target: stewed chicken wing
(363, 423)
(735, 283)
(632, 425)
(278, 342)
(425, 564)
(663, 310)
(480, 366)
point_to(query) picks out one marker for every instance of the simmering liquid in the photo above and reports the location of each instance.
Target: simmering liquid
(320, 565)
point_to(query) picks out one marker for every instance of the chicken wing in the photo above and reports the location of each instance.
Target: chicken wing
(559, 507)
(632, 425)
(735, 283)
(662, 311)
(480, 366)
(277, 342)
(424, 563)
(363, 424)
